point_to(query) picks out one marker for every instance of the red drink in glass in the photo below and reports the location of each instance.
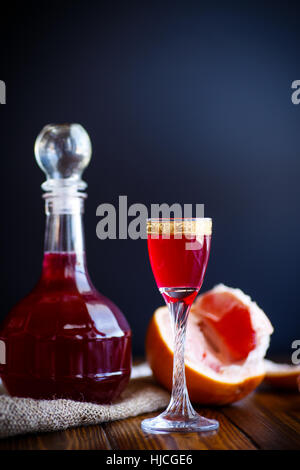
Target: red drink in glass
(179, 262)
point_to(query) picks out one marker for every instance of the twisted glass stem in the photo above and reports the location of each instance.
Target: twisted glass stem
(180, 406)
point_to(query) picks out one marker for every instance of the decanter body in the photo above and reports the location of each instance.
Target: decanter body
(65, 339)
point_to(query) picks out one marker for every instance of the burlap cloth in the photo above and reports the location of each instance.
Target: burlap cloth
(25, 415)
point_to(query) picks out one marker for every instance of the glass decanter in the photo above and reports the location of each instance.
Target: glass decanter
(65, 339)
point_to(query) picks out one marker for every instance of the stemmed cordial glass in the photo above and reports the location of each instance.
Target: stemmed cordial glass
(179, 251)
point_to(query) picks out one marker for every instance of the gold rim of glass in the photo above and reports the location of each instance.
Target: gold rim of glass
(185, 226)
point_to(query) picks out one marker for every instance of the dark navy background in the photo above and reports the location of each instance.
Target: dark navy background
(185, 102)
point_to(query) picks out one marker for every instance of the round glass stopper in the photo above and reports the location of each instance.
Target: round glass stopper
(63, 151)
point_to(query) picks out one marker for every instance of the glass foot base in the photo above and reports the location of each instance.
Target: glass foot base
(164, 424)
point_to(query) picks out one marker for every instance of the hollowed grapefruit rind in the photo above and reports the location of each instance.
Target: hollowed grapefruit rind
(283, 376)
(206, 386)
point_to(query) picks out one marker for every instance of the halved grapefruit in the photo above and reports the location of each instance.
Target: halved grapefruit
(285, 376)
(226, 342)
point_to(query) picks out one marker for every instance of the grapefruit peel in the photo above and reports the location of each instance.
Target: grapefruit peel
(212, 376)
(286, 376)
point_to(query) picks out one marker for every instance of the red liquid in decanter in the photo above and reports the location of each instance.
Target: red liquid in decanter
(65, 339)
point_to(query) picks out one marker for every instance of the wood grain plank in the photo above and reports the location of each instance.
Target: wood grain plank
(284, 405)
(263, 423)
(81, 438)
(228, 437)
(127, 435)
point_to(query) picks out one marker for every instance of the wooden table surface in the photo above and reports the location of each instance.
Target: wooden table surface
(264, 420)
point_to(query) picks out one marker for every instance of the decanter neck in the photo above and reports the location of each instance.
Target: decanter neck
(64, 225)
(64, 264)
